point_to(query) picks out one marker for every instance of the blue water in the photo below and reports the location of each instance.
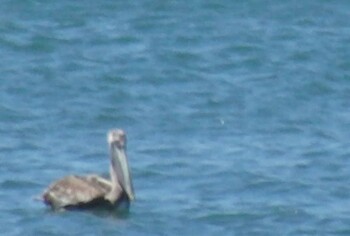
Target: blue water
(237, 114)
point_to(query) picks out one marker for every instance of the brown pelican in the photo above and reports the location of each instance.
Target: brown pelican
(88, 191)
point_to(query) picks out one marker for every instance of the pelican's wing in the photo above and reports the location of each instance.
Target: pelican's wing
(76, 191)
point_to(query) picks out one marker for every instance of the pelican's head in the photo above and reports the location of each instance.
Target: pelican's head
(117, 143)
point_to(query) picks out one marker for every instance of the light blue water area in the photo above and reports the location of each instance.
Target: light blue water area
(237, 114)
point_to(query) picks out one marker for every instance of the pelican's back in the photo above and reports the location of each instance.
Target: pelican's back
(77, 191)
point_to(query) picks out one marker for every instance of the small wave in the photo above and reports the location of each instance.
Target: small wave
(14, 184)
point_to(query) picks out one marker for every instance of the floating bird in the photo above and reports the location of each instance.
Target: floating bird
(83, 192)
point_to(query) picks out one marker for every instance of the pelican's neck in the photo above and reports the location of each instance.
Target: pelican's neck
(114, 176)
(116, 189)
(120, 173)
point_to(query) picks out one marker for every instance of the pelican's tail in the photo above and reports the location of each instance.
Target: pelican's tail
(38, 198)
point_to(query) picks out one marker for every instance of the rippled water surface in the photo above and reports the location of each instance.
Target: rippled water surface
(237, 114)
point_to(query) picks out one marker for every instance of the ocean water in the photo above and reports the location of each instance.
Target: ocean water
(237, 114)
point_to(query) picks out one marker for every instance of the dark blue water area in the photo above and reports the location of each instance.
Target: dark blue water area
(237, 114)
